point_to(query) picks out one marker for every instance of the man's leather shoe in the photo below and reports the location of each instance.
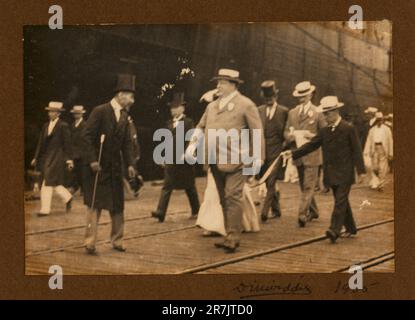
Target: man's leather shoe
(230, 246)
(119, 248)
(302, 220)
(69, 205)
(41, 214)
(331, 235)
(312, 216)
(264, 217)
(276, 214)
(90, 250)
(158, 215)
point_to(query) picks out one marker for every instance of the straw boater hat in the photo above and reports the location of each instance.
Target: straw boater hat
(329, 103)
(126, 82)
(303, 89)
(228, 74)
(371, 110)
(269, 89)
(78, 109)
(55, 106)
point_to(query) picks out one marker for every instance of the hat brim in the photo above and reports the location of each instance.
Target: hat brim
(237, 80)
(55, 109)
(338, 106)
(73, 111)
(302, 94)
(175, 105)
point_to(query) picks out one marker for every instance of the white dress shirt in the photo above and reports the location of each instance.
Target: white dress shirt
(52, 125)
(271, 111)
(305, 108)
(117, 109)
(177, 119)
(334, 126)
(78, 122)
(225, 100)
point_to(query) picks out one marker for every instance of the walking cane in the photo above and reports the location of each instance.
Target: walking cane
(96, 176)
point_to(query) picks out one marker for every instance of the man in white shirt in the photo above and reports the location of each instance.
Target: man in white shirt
(379, 148)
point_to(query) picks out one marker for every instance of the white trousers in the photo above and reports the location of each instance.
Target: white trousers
(46, 193)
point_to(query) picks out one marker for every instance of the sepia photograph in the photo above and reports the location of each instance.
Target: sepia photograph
(217, 148)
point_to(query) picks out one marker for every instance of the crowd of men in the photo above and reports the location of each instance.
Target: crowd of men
(100, 153)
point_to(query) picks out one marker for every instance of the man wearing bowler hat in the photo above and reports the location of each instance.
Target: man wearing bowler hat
(342, 153)
(305, 120)
(107, 126)
(231, 110)
(52, 153)
(76, 132)
(178, 176)
(274, 118)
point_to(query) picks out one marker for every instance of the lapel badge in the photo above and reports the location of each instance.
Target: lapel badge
(231, 105)
(310, 113)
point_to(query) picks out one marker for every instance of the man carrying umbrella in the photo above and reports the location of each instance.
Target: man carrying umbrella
(106, 137)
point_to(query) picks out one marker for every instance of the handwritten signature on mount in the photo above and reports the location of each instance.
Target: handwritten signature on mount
(256, 289)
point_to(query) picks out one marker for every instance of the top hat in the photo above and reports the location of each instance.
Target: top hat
(177, 100)
(228, 74)
(55, 106)
(329, 103)
(371, 110)
(303, 89)
(78, 109)
(269, 89)
(126, 82)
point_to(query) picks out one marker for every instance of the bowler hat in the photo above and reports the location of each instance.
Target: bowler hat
(126, 82)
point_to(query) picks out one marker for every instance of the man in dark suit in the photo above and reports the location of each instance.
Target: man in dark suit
(342, 153)
(178, 176)
(76, 131)
(274, 118)
(231, 112)
(110, 120)
(52, 152)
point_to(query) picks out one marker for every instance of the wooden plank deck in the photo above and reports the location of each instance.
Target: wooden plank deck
(176, 244)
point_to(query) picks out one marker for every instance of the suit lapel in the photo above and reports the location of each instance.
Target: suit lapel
(225, 107)
(54, 128)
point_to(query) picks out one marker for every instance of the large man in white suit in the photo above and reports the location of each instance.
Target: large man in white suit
(231, 111)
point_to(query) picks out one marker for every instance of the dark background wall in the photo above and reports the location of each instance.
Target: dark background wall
(79, 65)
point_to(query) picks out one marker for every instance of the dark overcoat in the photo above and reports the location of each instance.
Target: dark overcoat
(77, 139)
(179, 176)
(117, 143)
(342, 153)
(52, 152)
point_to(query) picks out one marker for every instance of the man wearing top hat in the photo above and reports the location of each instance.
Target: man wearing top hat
(108, 126)
(178, 176)
(305, 119)
(379, 148)
(342, 153)
(53, 152)
(231, 110)
(76, 132)
(274, 118)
